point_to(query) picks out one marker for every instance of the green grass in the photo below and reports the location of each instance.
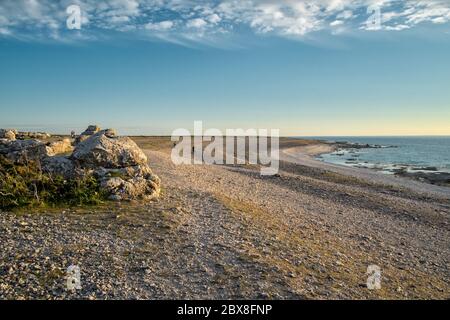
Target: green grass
(27, 186)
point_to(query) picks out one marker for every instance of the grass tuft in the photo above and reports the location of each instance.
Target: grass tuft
(28, 186)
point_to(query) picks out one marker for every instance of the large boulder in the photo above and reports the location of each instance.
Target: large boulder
(129, 182)
(119, 164)
(105, 149)
(59, 165)
(21, 151)
(131, 188)
(8, 134)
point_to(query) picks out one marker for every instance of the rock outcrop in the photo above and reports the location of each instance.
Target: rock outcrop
(91, 130)
(105, 149)
(8, 134)
(60, 147)
(117, 162)
(21, 151)
(59, 165)
(22, 135)
(12, 134)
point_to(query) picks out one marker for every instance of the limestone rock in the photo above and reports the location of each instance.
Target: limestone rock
(91, 130)
(108, 151)
(134, 188)
(59, 147)
(32, 135)
(135, 182)
(127, 172)
(21, 151)
(8, 134)
(117, 162)
(59, 165)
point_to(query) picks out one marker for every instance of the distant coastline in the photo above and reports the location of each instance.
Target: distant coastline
(423, 158)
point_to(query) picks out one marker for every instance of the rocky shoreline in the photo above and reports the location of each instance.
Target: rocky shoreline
(436, 178)
(345, 145)
(427, 174)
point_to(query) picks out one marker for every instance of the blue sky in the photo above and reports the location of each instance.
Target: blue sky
(305, 67)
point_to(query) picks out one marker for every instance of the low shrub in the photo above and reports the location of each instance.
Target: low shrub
(27, 186)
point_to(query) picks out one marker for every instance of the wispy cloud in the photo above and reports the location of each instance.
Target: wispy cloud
(199, 20)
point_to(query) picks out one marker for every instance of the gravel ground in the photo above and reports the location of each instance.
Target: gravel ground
(226, 232)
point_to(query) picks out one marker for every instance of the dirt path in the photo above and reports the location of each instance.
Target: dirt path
(318, 235)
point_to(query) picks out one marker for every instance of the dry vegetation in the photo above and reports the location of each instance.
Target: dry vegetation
(25, 185)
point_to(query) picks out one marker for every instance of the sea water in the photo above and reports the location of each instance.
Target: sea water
(423, 153)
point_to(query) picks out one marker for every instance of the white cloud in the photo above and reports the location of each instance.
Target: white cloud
(398, 27)
(336, 23)
(4, 31)
(119, 19)
(214, 18)
(432, 11)
(194, 19)
(347, 14)
(196, 23)
(160, 26)
(439, 20)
